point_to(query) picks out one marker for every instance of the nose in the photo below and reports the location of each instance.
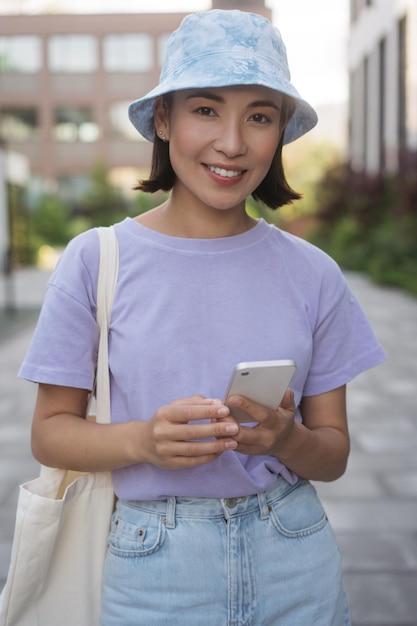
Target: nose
(230, 140)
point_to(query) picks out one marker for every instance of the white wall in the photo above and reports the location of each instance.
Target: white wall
(380, 21)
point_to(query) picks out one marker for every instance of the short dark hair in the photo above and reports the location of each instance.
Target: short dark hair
(274, 191)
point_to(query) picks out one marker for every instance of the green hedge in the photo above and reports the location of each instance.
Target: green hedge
(369, 223)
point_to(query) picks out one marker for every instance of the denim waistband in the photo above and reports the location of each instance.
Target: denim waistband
(177, 506)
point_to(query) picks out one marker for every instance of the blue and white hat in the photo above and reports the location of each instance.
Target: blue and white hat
(220, 48)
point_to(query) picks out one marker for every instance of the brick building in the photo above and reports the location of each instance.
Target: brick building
(66, 81)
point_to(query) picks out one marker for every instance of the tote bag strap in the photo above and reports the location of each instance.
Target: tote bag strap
(107, 279)
(106, 285)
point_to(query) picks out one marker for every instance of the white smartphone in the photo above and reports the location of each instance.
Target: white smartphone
(264, 382)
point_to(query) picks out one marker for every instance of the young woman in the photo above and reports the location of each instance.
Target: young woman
(216, 522)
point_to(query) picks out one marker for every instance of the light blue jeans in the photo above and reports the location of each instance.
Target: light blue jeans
(266, 560)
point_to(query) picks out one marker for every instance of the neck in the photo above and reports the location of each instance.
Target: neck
(172, 218)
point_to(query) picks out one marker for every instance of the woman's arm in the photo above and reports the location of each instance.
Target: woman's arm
(61, 437)
(317, 449)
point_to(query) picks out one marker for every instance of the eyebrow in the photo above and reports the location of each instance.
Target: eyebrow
(209, 95)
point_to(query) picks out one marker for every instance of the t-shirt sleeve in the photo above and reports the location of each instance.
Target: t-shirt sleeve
(64, 346)
(344, 344)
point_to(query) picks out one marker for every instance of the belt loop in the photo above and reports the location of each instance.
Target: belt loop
(263, 505)
(170, 517)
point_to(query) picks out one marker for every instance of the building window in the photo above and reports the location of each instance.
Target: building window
(381, 100)
(121, 126)
(365, 109)
(75, 124)
(162, 47)
(72, 53)
(402, 88)
(357, 6)
(19, 124)
(73, 186)
(128, 53)
(22, 53)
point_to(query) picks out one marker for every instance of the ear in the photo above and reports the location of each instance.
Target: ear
(161, 117)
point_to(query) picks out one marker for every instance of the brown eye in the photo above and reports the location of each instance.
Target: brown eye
(260, 118)
(205, 111)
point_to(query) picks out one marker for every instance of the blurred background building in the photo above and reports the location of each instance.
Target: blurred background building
(66, 81)
(383, 82)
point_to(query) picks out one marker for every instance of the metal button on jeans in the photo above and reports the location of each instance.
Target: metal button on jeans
(231, 502)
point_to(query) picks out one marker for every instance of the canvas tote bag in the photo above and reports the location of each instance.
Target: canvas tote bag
(60, 539)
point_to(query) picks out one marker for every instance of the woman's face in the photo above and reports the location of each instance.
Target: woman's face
(222, 142)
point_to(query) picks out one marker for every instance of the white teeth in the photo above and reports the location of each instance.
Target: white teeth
(222, 172)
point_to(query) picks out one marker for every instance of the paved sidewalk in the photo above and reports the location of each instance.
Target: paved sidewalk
(373, 508)
(25, 292)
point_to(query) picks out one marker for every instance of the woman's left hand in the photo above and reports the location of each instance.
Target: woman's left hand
(316, 449)
(272, 430)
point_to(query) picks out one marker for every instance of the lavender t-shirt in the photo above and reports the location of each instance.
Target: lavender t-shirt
(185, 312)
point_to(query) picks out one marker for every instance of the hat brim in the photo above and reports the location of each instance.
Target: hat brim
(239, 71)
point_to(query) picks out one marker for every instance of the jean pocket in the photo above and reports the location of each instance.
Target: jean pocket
(134, 538)
(299, 513)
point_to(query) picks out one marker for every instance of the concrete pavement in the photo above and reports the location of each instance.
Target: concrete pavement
(373, 508)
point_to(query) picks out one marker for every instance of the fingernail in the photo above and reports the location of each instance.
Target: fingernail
(231, 444)
(223, 411)
(232, 429)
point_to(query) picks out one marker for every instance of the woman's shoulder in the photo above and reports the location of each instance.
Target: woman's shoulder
(76, 272)
(79, 258)
(304, 257)
(82, 253)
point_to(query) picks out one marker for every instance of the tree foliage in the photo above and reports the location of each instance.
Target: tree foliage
(369, 223)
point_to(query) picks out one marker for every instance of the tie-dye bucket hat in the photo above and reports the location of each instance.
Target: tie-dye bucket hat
(221, 48)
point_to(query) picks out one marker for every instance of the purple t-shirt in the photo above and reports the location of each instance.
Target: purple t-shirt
(185, 312)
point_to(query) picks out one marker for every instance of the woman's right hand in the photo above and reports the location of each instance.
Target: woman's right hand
(175, 438)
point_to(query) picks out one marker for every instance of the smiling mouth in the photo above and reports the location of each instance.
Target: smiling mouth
(220, 171)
